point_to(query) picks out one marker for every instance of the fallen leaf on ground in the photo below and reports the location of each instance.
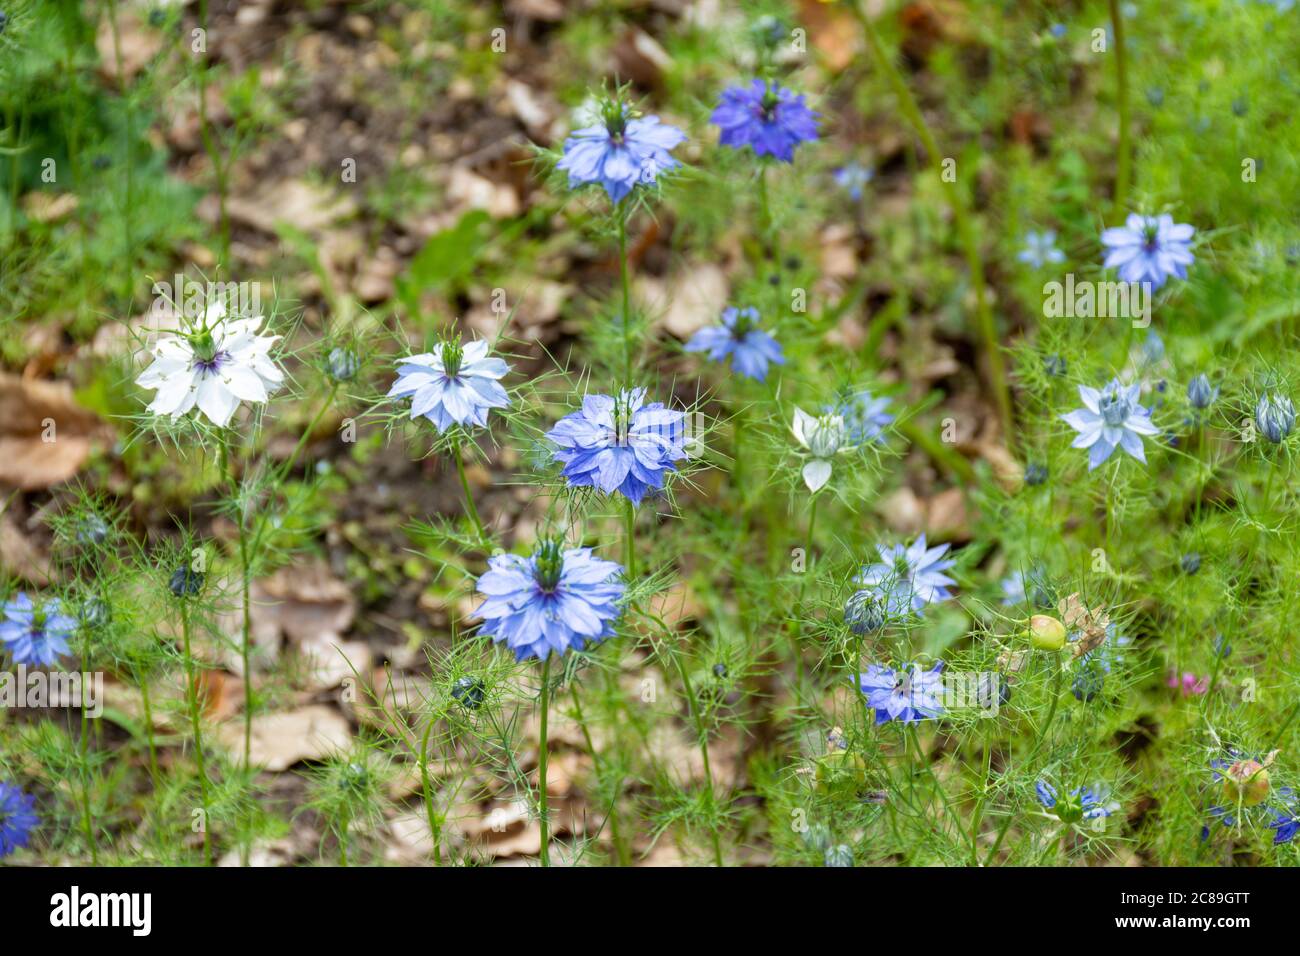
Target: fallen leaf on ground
(281, 740)
(45, 436)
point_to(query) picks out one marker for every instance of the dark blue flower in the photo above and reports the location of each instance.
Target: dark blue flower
(1149, 249)
(908, 695)
(17, 818)
(452, 385)
(749, 347)
(766, 117)
(621, 152)
(1083, 803)
(551, 602)
(35, 635)
(1285, 821)
(619, 444)
(908, 577)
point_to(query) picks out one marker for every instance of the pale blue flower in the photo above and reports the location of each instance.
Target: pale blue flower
(620, 152)
(452, 385)
(908, 577)
(908, 695)
(35, 635)
(853, 178)
(1110, 418)
(1149, 249)
(1040, 249)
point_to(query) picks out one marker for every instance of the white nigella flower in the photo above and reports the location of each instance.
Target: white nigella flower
(822, 437)
(215, 366)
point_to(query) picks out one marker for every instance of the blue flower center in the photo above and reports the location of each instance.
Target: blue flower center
(211, 365)
(1114, 409)
(207, 357)
(744, 322)
(1150, 238)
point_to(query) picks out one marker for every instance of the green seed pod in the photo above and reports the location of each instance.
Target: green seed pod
(1046, 633)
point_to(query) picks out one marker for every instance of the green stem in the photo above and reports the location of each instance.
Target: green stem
(623, 213)
(797, 631)
(1038, 743)
(544, 703)
(246, 618)
(85, 757)
(435, 830)
(621, 852)
(629, 537)
(470, 509)
(1121, 79)
(985, 323)
(703, 740)
(192, 698)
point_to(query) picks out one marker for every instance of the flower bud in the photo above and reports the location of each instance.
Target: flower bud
(1035, 474)
(342, 364)
(1046, 633)
(1245, 783)
(839, 855)
(1200, 393)
(186, 582)
(469, 691)
(1275, 416)
(863, 613)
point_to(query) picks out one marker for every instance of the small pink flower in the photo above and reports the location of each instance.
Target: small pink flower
(1189, 685)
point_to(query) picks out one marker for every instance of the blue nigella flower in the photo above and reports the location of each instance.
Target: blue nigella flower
(908, 695)
(619, 444)
(1040, 249)
(750, 348)
(556, 600)
(1200, 393)
(1149, 249)
(909, 577)
(766, 117)
(1286, 819)
(1110, 418)
(853, 178)
(453, 384)
(1275, 416)
(620, 152)
(17, 818)
(1083, 803)
(36, 636)
(865, 417)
